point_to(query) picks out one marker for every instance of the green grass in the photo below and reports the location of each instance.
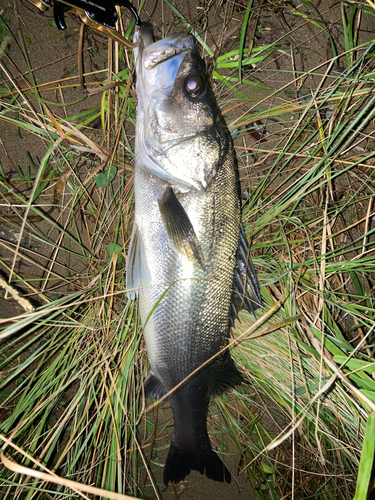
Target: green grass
(73, 363)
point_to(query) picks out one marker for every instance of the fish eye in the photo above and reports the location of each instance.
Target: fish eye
(194, 86)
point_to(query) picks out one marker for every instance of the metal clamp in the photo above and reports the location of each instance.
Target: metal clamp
(100, 15)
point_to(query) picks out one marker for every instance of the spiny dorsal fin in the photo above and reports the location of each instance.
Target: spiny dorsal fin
(246, 287)
(178, 226)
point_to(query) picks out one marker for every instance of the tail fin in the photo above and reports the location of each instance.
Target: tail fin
(181, 462)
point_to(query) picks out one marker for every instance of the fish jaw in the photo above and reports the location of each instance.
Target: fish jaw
(171, 130)
(157, 65)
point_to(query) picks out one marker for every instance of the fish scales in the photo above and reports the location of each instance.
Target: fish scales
(184, 250)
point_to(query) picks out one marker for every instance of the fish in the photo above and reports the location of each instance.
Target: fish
(188, 260)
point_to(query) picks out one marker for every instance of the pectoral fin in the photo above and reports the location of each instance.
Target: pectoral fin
(137, 272)
(246, 287)
(178, 226)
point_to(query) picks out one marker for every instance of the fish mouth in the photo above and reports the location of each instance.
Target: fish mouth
(153, 53)
(157, 65)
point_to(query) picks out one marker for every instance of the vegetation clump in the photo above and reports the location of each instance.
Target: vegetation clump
(296, 84)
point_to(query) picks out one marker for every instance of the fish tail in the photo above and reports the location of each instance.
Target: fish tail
(180, 462)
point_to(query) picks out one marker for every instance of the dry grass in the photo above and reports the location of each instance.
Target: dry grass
(72, 368)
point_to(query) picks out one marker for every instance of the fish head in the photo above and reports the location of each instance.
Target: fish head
(181, 135)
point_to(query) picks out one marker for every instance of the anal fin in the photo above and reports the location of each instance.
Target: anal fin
(230, 377)
(153, 387)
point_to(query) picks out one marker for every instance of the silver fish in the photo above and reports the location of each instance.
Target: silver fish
(188, 259)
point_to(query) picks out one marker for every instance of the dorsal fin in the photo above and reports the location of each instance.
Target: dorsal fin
(246, 287)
